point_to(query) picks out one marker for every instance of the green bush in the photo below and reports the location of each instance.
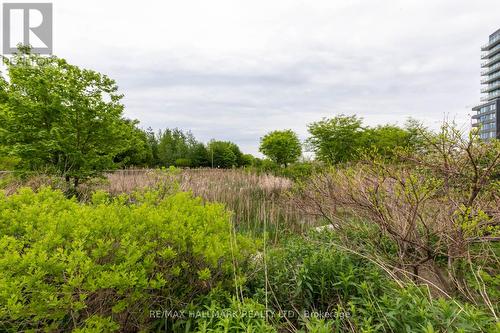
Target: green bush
(104, 265)
(300, 171)
(183, 162)
(312, 275)
(8, 163)
(221, 312)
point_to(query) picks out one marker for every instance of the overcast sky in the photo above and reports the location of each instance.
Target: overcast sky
(235, 70)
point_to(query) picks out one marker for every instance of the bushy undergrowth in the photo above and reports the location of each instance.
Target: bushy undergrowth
(348, 292)
(438, 206)
(255, 199)
(106, 264)
(120, 262)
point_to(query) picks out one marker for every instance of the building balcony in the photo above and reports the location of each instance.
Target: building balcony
(493, 67)
(491, 87)
(477, 108)
(492, 52)
(480, 114)
(490, 62)
(492, 43)
(487, 121)
(490, 97)
(491, 78)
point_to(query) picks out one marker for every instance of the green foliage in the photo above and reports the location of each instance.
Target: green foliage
(140, 151)
(219, 312)
(58, 115)
(384, 140)
(247, 160)
(283, 147)
(265, 165)
(174, 145)
(335, 140)
(199, 155)
(313, 274)
(183, 162)
(7, 162)
(65, 265)
(344, 139)
(225, 154)
(300, 171)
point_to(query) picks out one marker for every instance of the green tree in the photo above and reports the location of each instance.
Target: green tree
(173, 144)
(283, 147)
(199, 155)
(176, 147)
(139, 152)
(224, 154)
(335, 140)
(55, 115)
(247, 159)
(384, 140)
(418, 134)
(152, 142)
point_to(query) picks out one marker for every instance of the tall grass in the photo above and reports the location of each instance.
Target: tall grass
(256, 200)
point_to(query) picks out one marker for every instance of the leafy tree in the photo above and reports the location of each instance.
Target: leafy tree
(383, 140)
(418, 134)
(283, 147)
(56, 115)
(199, 155)
(224, 154)
(152, 142)
(173, 144)
(140, 151)
(247, 159)
(183, 162)
(335, 140)
(240, 160)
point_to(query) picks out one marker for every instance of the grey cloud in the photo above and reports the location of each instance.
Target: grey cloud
(382, 61)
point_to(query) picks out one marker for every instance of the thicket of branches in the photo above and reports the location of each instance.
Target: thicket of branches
(438, 205)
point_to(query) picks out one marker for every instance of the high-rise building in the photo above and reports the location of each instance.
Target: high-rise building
(487, 112)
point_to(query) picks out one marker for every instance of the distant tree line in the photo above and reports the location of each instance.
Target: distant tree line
(175, 147)
(69, 121)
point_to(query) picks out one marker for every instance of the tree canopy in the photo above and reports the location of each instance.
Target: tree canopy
(282, 147)
(60, 118)
(225, 154)
(336, 139)
(344, 138)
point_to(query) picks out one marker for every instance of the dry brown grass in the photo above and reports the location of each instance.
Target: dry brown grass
(255, 199)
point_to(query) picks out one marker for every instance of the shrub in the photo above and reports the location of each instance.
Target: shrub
(351, 293)
(183, 162)
(68, 266)
(439, 206)
(220, 312)
(300, 171)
